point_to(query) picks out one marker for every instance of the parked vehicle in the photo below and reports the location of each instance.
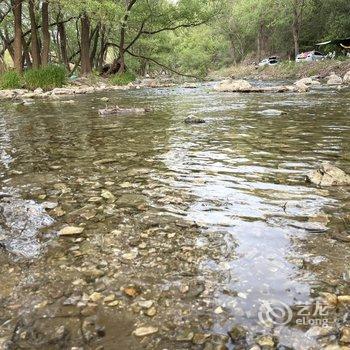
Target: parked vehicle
(271, 61)
(310, 56)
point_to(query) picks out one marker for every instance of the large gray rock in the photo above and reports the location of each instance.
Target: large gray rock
(334, 80)
(346, 78)
(82, 90)
(301, 86)
(63, 91)
(14, 93)
(6, 94)
(329, 175)
(230, 85)
(307, 81)
(244, 86)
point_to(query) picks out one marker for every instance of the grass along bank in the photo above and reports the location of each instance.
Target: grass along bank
(54, 76)
(285, 70)
(46, 78)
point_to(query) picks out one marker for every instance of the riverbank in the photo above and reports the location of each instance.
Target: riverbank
(332, 72)
(86, 85)
(285, 70)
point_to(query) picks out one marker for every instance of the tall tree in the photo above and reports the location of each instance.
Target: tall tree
(45, 54)
(129, 6)
(63, 43)
(17, 45)
(297, 9)
(34, 35)
(85, 44)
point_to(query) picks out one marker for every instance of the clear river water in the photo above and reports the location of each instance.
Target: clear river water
(189, 231)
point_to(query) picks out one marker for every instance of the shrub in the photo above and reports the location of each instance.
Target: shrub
(122, 79)
(10, 80)
(46, 78)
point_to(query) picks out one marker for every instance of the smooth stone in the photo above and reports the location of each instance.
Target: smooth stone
(108, 195)
(95, 296)
(329, 175)
(144, 331)
(266, 341)
(185, 337)
(230, 85)
(272, 112)
(345, 335)
(334, 80)
(329, 298)
(307, 81)
(145, 304)
(71, 231)
(109, 298)
(151, 312)
(200, 338)
(320, 331)
(344, 299)
(346, 78)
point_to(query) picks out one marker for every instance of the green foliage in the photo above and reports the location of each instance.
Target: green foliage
(188, 36)
(270, 23)
(46, 78)
(122, 79)
(199, 50)
(10, 80)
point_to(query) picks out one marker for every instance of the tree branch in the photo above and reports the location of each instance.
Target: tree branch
(185, 25)
(162, 65)
(137, 35)
(39, 26)
(155, 62)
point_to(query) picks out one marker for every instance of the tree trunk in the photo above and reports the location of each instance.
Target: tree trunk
(46, 33)
(17, 44)
(85, 45)
(95, 44)
(298, 9)
(100, 58)
(26, 56)
(63, 43)
(121, 59)
(7, 45)
(34, 33)
(296, 39)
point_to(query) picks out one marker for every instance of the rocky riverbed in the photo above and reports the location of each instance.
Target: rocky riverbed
(148, 232)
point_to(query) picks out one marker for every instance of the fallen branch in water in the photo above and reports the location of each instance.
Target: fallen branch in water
(116, 110)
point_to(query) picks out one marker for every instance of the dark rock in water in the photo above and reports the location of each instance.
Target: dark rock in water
(132, 200)
(329, 175)
(191, 119)
(237, 333)
(116, 110)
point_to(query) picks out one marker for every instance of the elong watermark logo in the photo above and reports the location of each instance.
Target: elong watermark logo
(276, 312)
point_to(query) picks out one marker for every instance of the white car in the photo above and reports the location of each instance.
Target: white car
(271, 61)
(310, 56)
